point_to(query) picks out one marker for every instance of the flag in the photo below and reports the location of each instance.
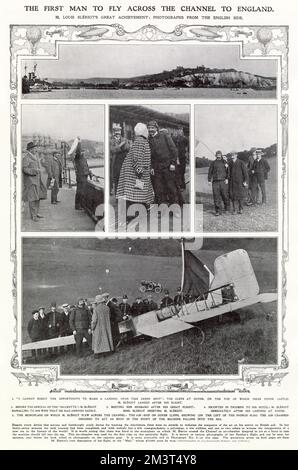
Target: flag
(196, 275)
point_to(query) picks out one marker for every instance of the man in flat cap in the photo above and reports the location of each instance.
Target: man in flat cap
(167, 301)
(218, 175)
(238, 182)
(80, 324)
(260, 170)
(164, 156)
(55, 175)
(125, 306)
(33, 188)
(119, 147)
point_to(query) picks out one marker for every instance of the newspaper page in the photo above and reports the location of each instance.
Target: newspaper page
(148, 252)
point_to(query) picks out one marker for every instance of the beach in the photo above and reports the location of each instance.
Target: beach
(160, 93)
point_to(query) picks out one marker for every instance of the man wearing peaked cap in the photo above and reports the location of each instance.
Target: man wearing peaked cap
(260, 170)
(238, 182)
(33, 188)
(218, 175)
(167, 301)
(164, 156)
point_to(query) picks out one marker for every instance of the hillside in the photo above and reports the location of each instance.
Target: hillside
(178, 77)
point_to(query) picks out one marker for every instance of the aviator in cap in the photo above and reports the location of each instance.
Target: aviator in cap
(259, 152)
(153, 124)
(218, 152)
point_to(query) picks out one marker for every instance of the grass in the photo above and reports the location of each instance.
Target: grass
(63, 273)
(254, 219)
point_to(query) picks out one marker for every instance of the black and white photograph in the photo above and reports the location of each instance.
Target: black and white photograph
(236, 159)
(149, 306)
(62, 167)
(149, 71)
(149, 167)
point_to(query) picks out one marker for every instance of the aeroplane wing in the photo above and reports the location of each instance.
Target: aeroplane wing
(192, 315)
(49, 343)
(149, 326)
(164, 328)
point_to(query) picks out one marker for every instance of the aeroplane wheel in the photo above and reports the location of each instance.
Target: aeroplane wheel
(142, 289)
(157, 289)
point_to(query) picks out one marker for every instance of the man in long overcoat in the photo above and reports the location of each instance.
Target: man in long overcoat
(238, 182)
(164, 157)
(33, 188)
(82, 173)
(80, 324)
(260, 170)
(102, 340)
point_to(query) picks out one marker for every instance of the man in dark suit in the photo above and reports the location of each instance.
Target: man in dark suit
(151, 305)
(55, 176)
(124, 306)
(53, 321)
(238, 182)
(167, 301)
(80, 324)
(34, 327)
(260, 170)
(82, 173)
(218, 175)
(137, 307)
(164, 156)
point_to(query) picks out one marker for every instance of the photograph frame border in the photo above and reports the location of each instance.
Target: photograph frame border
(249, 375)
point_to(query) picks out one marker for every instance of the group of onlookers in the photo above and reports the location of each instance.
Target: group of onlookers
(236, 181)
(96, 321)
(151, 169)
(37, 163)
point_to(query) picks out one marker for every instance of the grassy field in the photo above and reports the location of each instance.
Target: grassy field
(254, 219)
(63, 273)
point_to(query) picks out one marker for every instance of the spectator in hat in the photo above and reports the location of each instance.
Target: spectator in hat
(167, 301)
(33, 188)
(124, 306)
(150, 304)
(182, 145)
(53, 321)
(251, 159)
(55, 175)
(179, 297)
(119, 147)
(238, 182)
(82, 172)
(34, 327)
(102, 340)
(80, 324)
(218, 176)
(164, 157)
(116, 316)
(137, 307)
(43, 322)
(64, 326)
(260, 170)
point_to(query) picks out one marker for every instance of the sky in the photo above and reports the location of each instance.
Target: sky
(64, 121)
(121, 61)
(234, 127)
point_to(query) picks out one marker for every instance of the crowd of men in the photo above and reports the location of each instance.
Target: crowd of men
(42, 172)
(76, 319)
(234, 181)
(168, 161)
